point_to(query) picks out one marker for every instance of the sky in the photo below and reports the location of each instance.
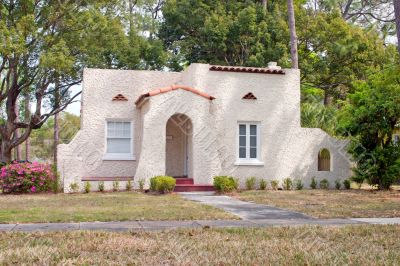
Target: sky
(75, 108)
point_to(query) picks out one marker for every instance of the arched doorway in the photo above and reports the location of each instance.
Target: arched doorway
(178, 146)
(324, 160)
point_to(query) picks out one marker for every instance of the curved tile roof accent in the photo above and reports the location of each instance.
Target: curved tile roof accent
(172, 88)
(258, 70)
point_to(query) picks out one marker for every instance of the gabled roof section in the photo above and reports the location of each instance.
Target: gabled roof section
(258, 70)
(119, 97)
(172, 88)
(249, 96)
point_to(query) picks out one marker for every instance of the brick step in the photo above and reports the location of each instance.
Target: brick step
(184, 181)
(192, 188)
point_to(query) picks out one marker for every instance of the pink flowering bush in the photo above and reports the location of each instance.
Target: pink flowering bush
(27, 178)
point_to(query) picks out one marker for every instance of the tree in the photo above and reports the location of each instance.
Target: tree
(369, 118)
(397, 18)
(293, 36)
(45, 41)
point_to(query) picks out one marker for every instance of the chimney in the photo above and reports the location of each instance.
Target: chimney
(273, 65)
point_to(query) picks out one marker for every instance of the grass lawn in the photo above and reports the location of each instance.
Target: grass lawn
(330, 203)
(349, 245)
(121, 206)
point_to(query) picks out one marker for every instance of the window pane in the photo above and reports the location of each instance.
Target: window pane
(110, 128)
(127, 129)
(253, 141)
(253, 152)
(253, 130)
(118, 145)
(242, 141)
(242, 129)
(242, 152)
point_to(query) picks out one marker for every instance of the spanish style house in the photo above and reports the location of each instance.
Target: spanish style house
(196, 124)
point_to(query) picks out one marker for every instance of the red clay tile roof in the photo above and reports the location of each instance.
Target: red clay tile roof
(119, 97)
(247, 69)
(249, 96)
(172, 88)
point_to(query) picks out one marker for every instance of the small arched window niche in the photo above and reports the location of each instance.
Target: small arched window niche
(324, 160)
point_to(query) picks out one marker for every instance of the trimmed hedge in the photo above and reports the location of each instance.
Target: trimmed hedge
(225, 184)
(162, 184)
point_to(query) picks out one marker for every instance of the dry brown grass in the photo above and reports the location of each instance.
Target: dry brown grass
(350, 245)
(331, 203)
(120, 206)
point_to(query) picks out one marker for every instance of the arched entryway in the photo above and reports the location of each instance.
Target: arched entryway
(178, 146)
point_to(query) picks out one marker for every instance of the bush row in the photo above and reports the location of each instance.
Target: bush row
(225, 184)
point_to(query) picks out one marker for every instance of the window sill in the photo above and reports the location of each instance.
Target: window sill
(249, 163)
(109, 157)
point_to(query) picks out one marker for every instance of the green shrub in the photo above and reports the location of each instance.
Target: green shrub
(251, 183)
(299, 184)
(162, 184)
(313, 184)
(274, 184)
(74, 187)
(225, 184)
(324, 184)
(347, 184)
(141, 184)
(287, 183)
(263, 184)
(128, 185)
(338, 184)
(116, 186)
(87, 187)
(101, 186)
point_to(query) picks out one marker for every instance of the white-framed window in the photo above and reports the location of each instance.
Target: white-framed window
(249, 143)
(119, 145)
(396, 138)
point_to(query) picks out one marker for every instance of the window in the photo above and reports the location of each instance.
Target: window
(119, 141)
(396, 139)
(324, 160)
(249, 143)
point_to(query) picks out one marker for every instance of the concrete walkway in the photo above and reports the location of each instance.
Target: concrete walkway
(245, 210)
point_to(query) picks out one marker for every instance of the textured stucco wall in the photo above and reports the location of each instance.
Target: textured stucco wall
(287, 150)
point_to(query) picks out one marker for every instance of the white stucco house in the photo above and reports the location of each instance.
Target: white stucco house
(202, 122)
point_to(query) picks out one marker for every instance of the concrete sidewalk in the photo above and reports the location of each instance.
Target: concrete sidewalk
(169, 225)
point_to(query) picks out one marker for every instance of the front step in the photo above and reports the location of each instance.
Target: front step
(184, 181)
(193, 188)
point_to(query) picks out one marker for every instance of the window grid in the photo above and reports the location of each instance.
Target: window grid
(119, 138)
(248, 141)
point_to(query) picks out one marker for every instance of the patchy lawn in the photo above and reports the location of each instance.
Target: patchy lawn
(349, 245)
(330, 203)
(121, 206)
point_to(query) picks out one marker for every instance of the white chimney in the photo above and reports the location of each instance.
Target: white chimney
(273, 65)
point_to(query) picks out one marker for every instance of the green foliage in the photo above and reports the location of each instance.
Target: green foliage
(299, 184)
(287, 183)
(234, 33)
(87, 187)
(74, 187)
(347, 183)
(162, 184)
(324, 184)
(141, 184)
(115, 186)
(274, 184)
(224, 184)
(263, 184)
(101, 186)
(370, 116)
(251, 183)
(317, 115)
(313, 183)
(338, 184)
(128, 185)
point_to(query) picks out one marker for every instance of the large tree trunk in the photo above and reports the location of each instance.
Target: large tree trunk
(18, 150)
(27, 115)
(293, 36)
(397, 19)
(5, 155)
(265, 4)
(56, 122)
